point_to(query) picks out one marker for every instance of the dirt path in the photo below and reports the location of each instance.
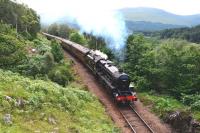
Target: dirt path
(111, 109)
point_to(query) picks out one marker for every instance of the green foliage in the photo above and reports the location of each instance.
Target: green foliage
(6, 29)
(161, 105)
(41, 44)
(61, 74)
(34, 66)
(24, 19)
(192, 100)
(61, 30)
(136, 47)
(11, 51)
(78, 38)
(17, 55)
(189, 34)
(57, 51)
(47, 105)
(170, 67)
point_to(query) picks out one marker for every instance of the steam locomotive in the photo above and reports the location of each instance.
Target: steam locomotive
(116, 81)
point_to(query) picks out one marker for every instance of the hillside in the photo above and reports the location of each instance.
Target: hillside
(189, 34)
(43, 106)
(159, 16)
(135, 26)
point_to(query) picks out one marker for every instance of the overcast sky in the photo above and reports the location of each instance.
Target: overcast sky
(181, 7)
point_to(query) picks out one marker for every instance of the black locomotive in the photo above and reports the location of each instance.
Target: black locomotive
(117, 82)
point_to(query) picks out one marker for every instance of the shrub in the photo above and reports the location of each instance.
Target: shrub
(196, 105)
(11, 51)
(57, 51)
(78, 38)
(61, 74)
(161, 105)
(192, 100)
(37, 65)
(42, 46)
(48, 62)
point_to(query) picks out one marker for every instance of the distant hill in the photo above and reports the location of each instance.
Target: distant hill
(189, 34)
(135, 26)
(159, 16)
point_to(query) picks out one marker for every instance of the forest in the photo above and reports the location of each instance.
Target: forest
(189, 34)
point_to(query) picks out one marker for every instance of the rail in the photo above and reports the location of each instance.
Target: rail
(136, 123)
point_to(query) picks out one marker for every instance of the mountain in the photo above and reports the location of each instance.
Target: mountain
(159, 16)
(148, 26)
(190, 34)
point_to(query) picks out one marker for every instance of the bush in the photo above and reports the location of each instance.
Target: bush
(78, 38)
(61, 74)
(196, 105)
(192, 100)
(11, 51)
(37, 65)
(161, 105)
(57, 51)
(41, 46)
(6, 29)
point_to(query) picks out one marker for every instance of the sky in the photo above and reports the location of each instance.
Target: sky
(180, 7)
(101, 18)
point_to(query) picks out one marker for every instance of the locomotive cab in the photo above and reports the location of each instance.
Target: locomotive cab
(125, 91)
(123, 82)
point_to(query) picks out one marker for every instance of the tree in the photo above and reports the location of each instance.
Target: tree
(11, 51)
(53, 29)
(170, 67)
(78, 38)
(57, 51)
(20, 17)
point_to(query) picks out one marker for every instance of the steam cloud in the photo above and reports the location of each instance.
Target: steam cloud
(97, 17)
(107, 24)
(100, 20)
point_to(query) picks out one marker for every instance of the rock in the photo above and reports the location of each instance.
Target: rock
(33, 50)
(7, 119)
(196, 127)
(20, 103)
(182, 122)
(51, 120)
(55, 130)
(8, 98)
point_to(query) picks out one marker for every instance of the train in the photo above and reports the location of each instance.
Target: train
(115, 81)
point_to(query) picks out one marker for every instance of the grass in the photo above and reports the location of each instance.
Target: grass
(162, 105)
(48, 107)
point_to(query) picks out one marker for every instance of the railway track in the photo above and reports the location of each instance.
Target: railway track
(134, 120)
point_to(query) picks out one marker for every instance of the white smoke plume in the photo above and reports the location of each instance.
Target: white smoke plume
(97, 17)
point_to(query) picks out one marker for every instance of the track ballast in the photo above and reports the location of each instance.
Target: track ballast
(134, 120)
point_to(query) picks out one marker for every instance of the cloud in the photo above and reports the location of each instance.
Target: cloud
(98, 17)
